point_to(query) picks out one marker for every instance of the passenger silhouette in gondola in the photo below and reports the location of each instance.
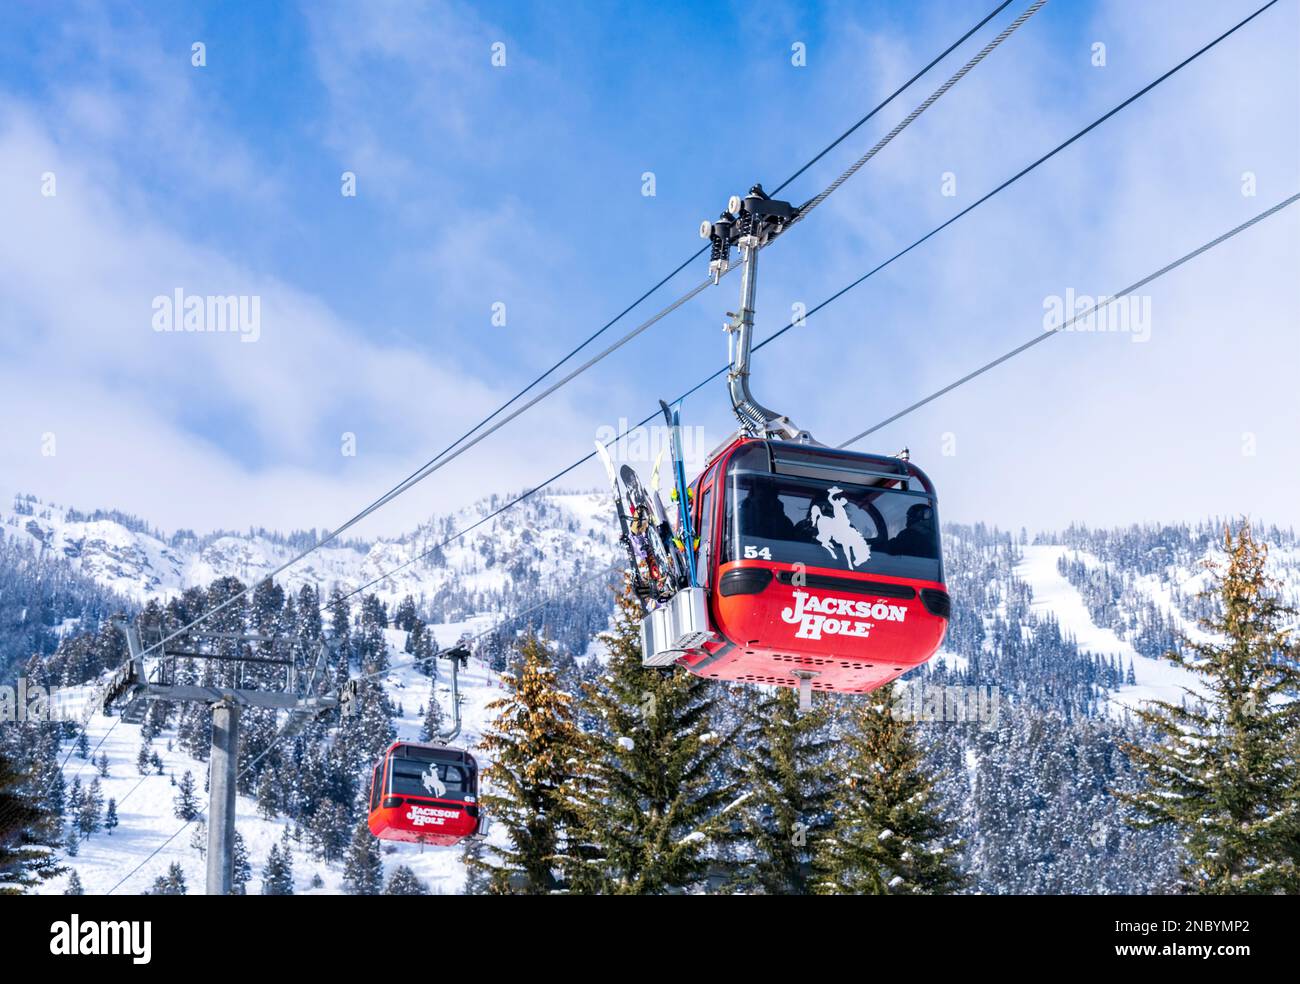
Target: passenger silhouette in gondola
(917, 538)
(763, 515)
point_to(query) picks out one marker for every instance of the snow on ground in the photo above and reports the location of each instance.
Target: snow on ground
(1157, 679)
(409, 690)
(141, 565)
(1162, 597)
(953, 661)
(146, 804)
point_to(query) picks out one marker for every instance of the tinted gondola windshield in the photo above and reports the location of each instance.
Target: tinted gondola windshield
(861, 528)
(437, 780)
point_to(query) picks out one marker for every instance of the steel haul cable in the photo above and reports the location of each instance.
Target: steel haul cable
(1065, 325)
(1145, 280)
(1155, 275)
(835, 296)
(449, 455)
(694, 256)
(1005, 184)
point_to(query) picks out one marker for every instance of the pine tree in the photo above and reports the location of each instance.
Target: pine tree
(403, 882)
(330, 830)
(368, 731)
(786, 768)
(142, 760)
(1225, 772)
(103, 765)
(90, 817)
(268, 795)
(887, 835)
(199, 838)
(405, 617)
(186, 804)
(277, 875)
(110, 816)
(274, 881)
(652, 781)
(172, 883)
(363, 871)
(76, 797)
(533, 743)
(423, 647)
(477, 880)
(341, 634)
(433, 725)
(74, 885)
(243, 867)
(27, 833)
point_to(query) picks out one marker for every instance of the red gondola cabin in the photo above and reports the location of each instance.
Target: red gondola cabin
(814, 563)
(424, 793)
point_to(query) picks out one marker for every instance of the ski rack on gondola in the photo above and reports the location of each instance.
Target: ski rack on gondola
(749, 224)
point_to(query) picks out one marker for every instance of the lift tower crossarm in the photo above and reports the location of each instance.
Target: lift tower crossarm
(132, 682)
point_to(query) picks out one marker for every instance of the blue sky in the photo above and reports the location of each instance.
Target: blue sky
(522, 185)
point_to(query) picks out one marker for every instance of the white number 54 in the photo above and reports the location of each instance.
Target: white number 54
(754, 553)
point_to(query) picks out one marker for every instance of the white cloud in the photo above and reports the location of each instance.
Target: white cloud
(1088, 428)
(136, 413)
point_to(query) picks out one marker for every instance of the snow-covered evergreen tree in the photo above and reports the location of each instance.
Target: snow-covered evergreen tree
(787, 781)
(277, 874)
(403, 882)
(1224, 770)
(652, 779)
(27, 833)
(90, 817)
(243, 868)
(433, 721)
(887, 836)
(363, 870)
(172, 883)
(533, 743)
(186, 803)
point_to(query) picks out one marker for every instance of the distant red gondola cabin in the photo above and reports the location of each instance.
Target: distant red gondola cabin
(815, 563)
(426, 794)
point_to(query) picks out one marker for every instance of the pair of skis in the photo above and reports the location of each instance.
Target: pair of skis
(662, 562)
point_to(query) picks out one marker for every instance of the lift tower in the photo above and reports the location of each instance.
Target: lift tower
(135, 684)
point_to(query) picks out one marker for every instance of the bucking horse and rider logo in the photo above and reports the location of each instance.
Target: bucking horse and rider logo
(836, 527)
(434, 785)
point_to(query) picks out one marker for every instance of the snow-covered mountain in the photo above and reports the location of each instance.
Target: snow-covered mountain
(1073, 624)
(548, 536)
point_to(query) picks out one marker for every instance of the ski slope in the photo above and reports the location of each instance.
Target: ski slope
(1054, 595)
